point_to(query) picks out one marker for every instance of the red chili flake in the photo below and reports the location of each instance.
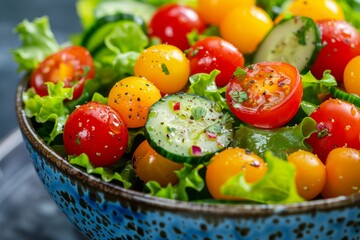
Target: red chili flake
(196, 150)
(176, 106)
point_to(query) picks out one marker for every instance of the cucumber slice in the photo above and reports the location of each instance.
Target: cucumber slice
(94, 37)
(140, 9)
(188, 128)
(294, 40)
(340, 94)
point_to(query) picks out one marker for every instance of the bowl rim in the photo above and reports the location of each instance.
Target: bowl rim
(118, 193)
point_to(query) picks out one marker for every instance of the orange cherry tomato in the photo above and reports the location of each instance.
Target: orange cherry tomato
(229, 163)
(164, 65)
(245, 28)
(213, 11)
(352, 76)
(149, 165)
(342, 172)
(310, 173)
(132, 98)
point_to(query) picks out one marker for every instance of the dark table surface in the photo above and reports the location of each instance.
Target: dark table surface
(26, 210)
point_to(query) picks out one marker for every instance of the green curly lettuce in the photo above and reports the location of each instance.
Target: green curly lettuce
(49, 109)
(126, 175)
(188, 178)
(38, 42)
(281, 141)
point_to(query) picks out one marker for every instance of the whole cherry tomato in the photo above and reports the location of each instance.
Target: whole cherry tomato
(212, 53)
(338, 124)
(98, 131)
(72, 65)
(164, 65)
(265, 95)
(342, 172)
(149, 165)
(341, 43)
(310, 173)
(172, 22)
(229, 163)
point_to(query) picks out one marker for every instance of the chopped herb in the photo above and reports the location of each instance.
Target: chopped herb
(240, 74)
(165, 69)
(239, 96)
(301, 33)
(198, 113)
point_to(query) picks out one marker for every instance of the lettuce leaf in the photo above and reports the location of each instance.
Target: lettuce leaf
(203, 84)
(281, 141)
(38, 42)
(126, 175)
(188, 178)
(49, 108)
(277, 186)
(122, 46)
(315, 89)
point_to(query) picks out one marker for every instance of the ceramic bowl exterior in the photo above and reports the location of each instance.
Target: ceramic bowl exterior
(103, 210)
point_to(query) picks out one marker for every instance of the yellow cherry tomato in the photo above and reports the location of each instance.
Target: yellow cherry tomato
(315, 9)
(245, 27)
(352, 76)
(164, 65)
(213, 11)
(229, 163)
(342, 172)
(310, 173)
(132, 98)
(149, 165)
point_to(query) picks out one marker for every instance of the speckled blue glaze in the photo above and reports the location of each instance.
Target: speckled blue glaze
(106, 211)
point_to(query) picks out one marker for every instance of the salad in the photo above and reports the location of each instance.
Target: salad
(205, 101)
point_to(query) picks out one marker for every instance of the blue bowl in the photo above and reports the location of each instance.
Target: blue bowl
(102, 210)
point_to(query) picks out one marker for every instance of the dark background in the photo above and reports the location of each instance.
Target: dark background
(26, 210)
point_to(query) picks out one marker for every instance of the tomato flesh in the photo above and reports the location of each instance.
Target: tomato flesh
(268, 95)
(72, 65)
(98, 131)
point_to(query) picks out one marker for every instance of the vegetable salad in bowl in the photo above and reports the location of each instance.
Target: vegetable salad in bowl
(211, 102)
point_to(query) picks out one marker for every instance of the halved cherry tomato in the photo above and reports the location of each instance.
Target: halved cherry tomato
(265, 95)
(215, 53)
(229, 163)
(338, 124)
(342, 172)
(172, 22)
(341, 43)
(72, 65)
(310, 173)
(164, 65)
(98, 131)
(132, 98)
(149, 165)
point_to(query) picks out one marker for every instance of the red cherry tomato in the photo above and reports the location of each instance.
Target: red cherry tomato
(341, 42)
(98, 131)
(266, 95)
(215, 53)
(172, 22)
(72, 65)
(338, 124)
